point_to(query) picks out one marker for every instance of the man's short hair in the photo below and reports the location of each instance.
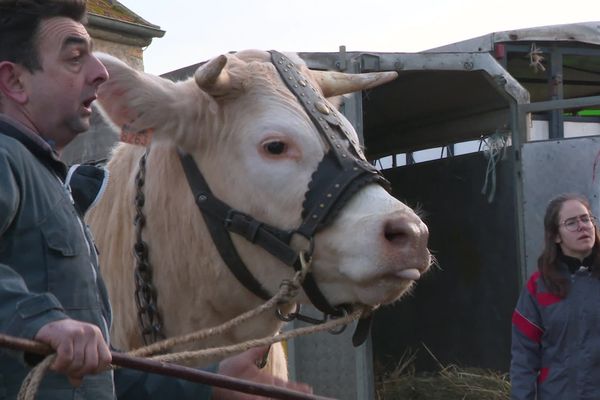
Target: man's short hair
(19, 24)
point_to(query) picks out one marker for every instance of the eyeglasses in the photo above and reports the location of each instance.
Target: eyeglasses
(572, 224)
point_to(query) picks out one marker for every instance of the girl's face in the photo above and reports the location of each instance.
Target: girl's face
(576, 233)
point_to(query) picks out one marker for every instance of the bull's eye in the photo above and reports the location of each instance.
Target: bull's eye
(275, 147)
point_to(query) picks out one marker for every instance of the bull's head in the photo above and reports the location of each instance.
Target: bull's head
(259, 148)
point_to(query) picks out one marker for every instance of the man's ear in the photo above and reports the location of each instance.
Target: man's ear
(11, 84)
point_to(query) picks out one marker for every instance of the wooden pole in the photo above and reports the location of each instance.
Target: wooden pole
(176, 371)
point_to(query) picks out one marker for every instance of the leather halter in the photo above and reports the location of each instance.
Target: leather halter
(341, 173)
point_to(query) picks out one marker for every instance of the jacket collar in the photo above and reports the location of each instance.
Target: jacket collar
(574, 263)
(43, 153)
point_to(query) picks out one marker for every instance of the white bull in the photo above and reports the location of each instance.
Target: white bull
(257, 149)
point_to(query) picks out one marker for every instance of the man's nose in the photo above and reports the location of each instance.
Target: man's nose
(99, 74)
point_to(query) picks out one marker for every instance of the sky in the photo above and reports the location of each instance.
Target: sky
(197, 30)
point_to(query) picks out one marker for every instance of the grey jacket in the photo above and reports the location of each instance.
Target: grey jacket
(49, 271)
(556, 341)
(48, 262)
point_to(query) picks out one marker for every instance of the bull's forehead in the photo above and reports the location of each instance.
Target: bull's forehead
(255, 68)
(268, 101)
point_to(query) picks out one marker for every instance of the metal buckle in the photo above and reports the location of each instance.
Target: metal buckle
(310, 320)
(230, 216)
(300, 317)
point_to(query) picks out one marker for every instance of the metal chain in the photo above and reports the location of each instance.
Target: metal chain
(145, 292)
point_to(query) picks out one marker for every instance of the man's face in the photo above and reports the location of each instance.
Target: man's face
(60, 95)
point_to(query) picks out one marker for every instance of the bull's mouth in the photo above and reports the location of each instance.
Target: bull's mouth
(384, 290)
(389, 286)
(410, 274)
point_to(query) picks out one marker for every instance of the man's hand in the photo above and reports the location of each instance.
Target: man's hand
(80, 348)
(243, 366)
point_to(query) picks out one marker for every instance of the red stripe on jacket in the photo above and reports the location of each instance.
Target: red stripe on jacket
(547, 299)
(532, 283)
(526, 327)
(543, 375)
(544, 299)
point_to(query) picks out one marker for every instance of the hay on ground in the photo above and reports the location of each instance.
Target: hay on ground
(449, 383)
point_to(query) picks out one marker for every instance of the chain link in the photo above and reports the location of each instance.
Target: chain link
(145, 292)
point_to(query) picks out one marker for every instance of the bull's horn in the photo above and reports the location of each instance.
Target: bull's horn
(212, 77)
(335, 83)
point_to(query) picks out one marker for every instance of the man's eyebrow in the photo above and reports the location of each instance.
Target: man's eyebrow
(75, 40)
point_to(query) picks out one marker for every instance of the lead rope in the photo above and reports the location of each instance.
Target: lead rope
(32, 381)
(236, 348)
(288, 290)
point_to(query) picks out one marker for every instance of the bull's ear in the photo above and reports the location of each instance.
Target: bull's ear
(133, 98)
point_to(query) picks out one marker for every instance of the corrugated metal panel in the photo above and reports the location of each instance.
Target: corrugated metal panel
(331, 365)
(550, 168)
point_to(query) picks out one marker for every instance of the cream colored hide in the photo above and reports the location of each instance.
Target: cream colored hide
(229, 116)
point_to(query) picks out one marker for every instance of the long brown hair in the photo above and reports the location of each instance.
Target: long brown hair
(548, 261)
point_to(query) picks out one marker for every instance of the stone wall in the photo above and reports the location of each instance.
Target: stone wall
(131, 54)
(94, 145)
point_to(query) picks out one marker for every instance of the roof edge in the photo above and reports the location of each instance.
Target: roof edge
(582, 32)
(112, 24)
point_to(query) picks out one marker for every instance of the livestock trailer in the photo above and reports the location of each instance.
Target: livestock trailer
(478, 135)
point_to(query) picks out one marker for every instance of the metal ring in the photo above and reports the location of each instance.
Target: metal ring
(342, 328)
(311, 242)
(287, 317)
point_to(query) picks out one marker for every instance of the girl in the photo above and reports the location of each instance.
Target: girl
(556, 323)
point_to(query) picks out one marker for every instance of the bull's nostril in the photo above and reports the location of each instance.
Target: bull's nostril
(398, 232)
(396, 237)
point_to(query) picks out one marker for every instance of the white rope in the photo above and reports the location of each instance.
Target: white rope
(536, 59)
(288, 290)
(33, 379)
(225, 351)
(495, 150)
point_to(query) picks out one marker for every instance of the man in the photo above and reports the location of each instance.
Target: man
(50, 288)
